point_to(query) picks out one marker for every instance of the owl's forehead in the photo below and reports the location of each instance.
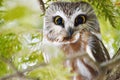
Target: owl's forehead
(69, 8)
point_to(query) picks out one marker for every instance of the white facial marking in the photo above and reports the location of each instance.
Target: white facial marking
(61, 14)
(98, 35)
(76, 14)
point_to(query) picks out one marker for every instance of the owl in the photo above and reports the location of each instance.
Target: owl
(74, 28)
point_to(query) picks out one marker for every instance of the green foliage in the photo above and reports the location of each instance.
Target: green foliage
(110, 36)
(26, 59)
(53, 71)
(1, 2)
(107, 9)
(20, 43)
(58, 72)
(4, 68)
(9, 44)
(16, 13)
(20, 39)
(1, 11)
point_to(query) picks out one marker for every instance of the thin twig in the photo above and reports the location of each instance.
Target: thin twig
(20, 73)
(9, 62)
(12, 66)
(117, 53)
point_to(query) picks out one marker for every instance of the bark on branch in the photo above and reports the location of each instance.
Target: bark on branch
(114, 73)
(42, 6)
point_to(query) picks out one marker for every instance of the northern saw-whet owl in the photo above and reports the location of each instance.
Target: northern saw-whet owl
(74, 28)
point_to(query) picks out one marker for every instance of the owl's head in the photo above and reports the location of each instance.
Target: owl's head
(64, 20)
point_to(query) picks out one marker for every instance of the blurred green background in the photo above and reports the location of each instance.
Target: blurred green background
(21, 23)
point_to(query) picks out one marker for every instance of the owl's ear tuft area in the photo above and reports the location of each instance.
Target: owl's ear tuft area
(83, 2)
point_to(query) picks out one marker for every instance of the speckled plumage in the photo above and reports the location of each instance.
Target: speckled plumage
(86, 37)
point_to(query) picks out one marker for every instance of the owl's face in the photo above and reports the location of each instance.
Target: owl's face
(64, 21)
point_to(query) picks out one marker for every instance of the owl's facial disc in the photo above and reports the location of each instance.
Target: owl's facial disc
(65, 27)
(79, 20)
(58, 21)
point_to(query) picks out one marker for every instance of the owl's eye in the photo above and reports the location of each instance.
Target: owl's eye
(58, 21)
(80, 19)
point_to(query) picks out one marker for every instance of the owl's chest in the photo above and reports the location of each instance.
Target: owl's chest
(73, 48)
(79, 46)
(77, 60)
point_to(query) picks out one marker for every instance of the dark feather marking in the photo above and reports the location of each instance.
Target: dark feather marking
(96, 44)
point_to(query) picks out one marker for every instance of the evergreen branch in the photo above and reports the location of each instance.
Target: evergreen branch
(107, 9)
(117, 54)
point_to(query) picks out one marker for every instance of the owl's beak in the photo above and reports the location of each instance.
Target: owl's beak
(70, 31)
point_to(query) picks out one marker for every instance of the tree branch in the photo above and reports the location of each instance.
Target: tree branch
(42, 6)
(111, 63)
(21, 73)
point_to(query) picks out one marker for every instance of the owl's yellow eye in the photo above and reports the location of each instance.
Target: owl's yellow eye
(58, 21)
(80, 19)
